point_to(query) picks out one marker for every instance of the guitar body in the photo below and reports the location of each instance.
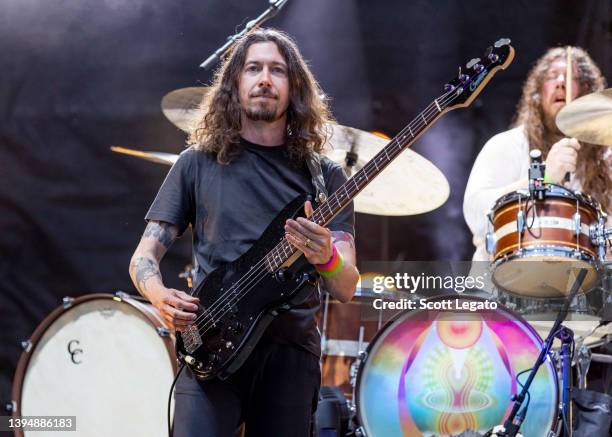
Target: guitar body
(240, 299)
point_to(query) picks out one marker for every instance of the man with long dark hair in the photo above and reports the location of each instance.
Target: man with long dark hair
(262, 118)
(503, 163)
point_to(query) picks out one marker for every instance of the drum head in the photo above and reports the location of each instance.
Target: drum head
(103, 361)
(440, 372)
(538, 274)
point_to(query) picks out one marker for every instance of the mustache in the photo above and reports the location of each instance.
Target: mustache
(264, 92)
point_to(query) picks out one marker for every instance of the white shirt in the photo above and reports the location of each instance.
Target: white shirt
(503, 161)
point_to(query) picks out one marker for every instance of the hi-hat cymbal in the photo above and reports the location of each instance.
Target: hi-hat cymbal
(410, 185)
(588, 118)
(158, 157)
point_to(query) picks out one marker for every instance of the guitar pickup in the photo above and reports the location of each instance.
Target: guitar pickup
(192, 339)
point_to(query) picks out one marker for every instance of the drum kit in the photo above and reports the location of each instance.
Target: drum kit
(421, 373)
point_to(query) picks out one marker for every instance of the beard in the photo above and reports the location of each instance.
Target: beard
(262, 112)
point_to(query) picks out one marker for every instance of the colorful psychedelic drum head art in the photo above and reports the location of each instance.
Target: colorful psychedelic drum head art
(441, 372)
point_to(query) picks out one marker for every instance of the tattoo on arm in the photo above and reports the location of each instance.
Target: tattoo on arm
(343, 236)
(144, 269)
(163, 232)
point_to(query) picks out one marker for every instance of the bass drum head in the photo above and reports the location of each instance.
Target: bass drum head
(103, 361)
(442, 372)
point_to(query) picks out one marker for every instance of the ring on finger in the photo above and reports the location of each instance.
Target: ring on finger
(307, 242)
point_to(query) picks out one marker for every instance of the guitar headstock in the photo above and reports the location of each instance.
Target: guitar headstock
(471, 79)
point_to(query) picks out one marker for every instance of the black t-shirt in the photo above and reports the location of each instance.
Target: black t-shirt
(229, 207)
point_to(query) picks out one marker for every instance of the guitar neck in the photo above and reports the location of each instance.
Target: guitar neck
(335, 203)
(353, 186)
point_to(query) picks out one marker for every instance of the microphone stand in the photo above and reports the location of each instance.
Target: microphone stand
(275, 6)
(514, 421)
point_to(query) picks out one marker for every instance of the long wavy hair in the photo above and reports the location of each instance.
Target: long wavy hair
(217, 130)
(592, 169)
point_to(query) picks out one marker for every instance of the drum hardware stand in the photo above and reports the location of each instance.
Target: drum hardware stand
(361, 357)
(566, 336)
(324, 327)
(515, 419)
(583, 362)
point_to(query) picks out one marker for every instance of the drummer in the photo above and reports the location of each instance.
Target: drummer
(503, 163)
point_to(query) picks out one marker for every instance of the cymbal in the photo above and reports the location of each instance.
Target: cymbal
(410, 185)
(158, 157)
(181, 106)
(588, 118)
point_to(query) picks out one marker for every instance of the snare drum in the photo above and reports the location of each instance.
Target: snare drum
(442, 372)
(108, 360)
(538, 246)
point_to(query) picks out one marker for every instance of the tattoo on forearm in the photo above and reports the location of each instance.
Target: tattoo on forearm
(144, 269)
(343, 236)
(161, 231)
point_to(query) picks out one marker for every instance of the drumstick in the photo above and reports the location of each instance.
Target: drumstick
(568, 89)
(568, 76)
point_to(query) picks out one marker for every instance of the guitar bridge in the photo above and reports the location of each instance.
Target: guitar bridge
(192, 338)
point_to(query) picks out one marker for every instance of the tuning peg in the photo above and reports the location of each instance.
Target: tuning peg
(472, 62)
(502, 42)
(488, 52)
(448, 87)
(493, 57)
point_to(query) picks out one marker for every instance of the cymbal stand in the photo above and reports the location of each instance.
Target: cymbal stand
(275, 6)
(517, 415)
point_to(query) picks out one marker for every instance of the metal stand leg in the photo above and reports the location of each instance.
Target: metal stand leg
(566, 336)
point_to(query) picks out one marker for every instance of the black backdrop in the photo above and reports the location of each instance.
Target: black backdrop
(79, 76)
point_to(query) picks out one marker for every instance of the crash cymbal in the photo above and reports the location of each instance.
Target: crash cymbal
(158, 157)
(588, 118)
(409, 185)
(181, 106)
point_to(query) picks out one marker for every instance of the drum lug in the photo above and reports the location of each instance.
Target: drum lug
(363, 355)
(577, 228)
(360, 432)
(120, 296)
(490, 243)
(11, 406)
(163, 332)
(67, 302)
(520, 224)
(26, 345)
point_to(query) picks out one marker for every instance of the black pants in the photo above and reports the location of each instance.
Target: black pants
(275, 393)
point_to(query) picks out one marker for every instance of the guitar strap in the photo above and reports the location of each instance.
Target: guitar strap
(313, 160)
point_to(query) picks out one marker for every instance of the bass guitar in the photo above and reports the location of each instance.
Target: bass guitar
(240, 299)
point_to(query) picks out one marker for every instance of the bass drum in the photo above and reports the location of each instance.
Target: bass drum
(442, 372)
(106, 359)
